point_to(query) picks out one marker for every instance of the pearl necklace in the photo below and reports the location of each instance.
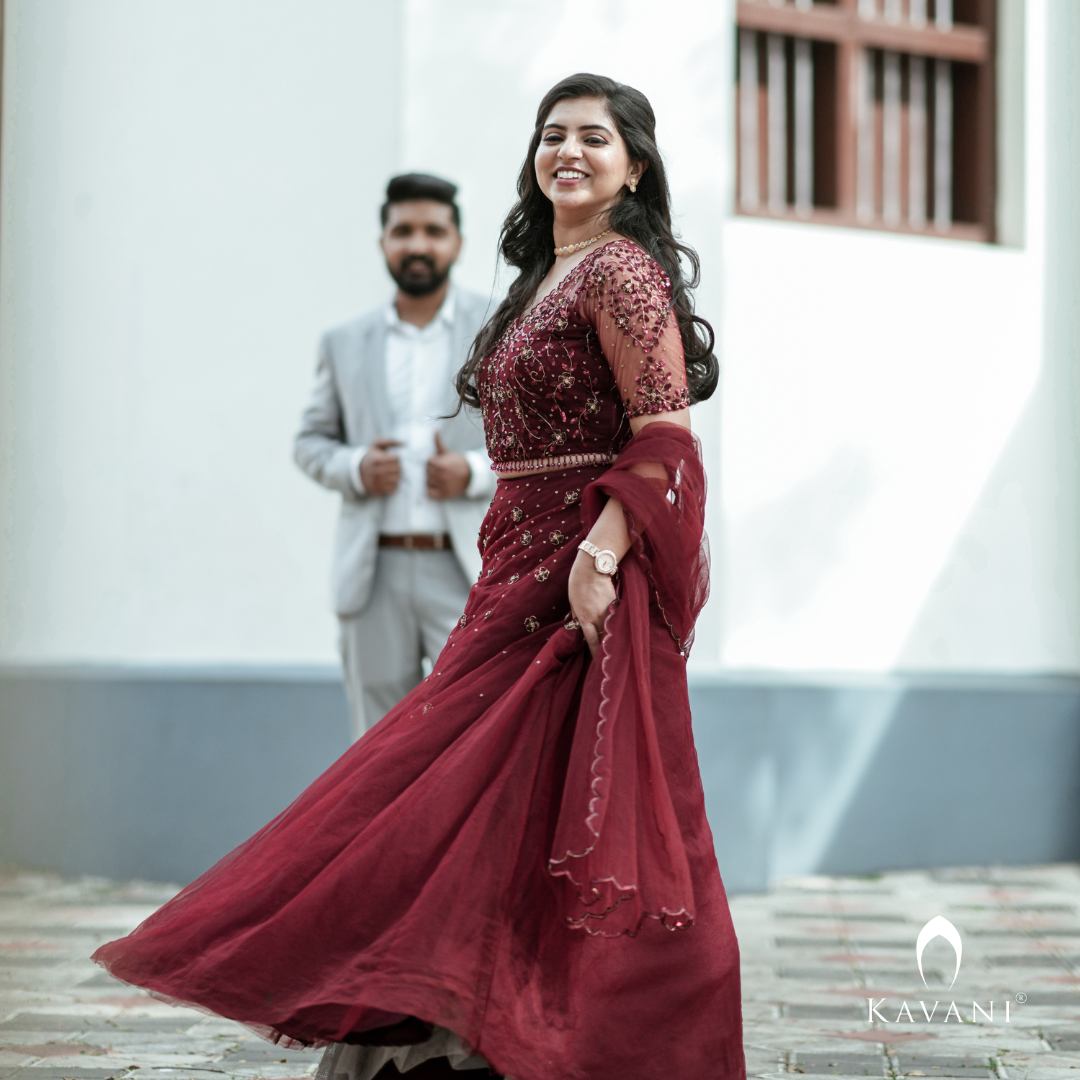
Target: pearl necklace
(571, 248)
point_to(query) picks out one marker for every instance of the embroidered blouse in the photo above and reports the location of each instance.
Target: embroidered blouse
(603, 346)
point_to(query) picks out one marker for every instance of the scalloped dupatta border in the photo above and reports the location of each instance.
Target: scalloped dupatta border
(617, 840)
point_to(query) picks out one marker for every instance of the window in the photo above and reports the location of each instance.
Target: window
(873, 113)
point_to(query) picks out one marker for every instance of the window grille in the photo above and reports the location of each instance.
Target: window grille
(872, 113)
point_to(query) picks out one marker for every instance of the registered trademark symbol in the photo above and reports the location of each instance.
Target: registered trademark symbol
(1021, 997)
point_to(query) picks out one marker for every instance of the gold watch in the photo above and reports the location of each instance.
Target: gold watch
(604, 560)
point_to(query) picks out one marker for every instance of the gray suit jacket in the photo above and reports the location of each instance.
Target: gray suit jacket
(349, 408)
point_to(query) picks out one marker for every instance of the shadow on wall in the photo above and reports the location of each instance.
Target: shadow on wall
(1008, 593)
(860, 776)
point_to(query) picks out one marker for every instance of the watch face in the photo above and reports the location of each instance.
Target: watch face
(606, 562)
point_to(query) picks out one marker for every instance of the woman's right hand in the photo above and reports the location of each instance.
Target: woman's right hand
(591, 596)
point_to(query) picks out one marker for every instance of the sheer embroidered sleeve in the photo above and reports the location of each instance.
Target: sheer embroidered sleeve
(627, 299)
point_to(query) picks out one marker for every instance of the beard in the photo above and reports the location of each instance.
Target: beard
(417, 275)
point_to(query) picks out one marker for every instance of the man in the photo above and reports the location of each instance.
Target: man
(414, 487)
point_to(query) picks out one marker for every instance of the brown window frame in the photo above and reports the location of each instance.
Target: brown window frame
(853, 56)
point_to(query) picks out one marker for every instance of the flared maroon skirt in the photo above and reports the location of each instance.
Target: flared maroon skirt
(424, 875)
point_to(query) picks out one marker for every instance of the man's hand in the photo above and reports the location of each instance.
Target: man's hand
(447, 474)
(381, 471)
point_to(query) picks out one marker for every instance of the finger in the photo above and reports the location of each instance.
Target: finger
(439, 448)
(385, 444)
(592, 638)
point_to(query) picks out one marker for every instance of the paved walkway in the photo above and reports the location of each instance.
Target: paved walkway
(814, 950)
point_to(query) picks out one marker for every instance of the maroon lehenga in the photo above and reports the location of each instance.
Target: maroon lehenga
(516, 858)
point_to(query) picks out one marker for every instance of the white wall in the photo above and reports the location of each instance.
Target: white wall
(871, 387)
(189, 195)
(899, 428)
(190, 192)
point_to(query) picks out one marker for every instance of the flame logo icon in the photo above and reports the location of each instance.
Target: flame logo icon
(939, 927)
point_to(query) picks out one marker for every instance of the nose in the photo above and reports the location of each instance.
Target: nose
(418, 244)
(570, 150)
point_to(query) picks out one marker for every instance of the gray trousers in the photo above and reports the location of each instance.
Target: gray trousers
(416, 599)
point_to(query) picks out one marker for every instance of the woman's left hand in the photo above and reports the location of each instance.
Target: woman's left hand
(591, 595)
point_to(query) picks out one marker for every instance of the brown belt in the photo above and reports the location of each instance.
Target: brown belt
(417, 541)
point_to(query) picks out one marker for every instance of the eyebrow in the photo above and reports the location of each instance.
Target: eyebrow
(583, 127)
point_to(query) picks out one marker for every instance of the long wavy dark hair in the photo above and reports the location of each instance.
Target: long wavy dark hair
(645, 217)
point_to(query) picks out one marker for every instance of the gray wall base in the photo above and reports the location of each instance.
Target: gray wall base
(155, 775)
(856, 776)
(134, 773)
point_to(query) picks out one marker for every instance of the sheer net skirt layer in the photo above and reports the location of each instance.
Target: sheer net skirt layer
(524, 541)
(412, 879)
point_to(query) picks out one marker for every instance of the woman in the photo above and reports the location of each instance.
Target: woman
(513, 869)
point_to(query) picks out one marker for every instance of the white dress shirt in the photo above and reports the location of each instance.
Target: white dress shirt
(418, 368)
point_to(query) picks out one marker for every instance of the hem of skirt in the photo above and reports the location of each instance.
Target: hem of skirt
(264, 1031)
(278, 1034)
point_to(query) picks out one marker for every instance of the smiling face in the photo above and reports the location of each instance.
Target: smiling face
(582, 164)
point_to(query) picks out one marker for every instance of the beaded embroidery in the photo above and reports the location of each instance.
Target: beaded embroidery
(562, 461)
(601, 347)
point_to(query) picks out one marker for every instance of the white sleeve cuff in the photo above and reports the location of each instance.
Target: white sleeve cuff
(354, 470)
(480, 475)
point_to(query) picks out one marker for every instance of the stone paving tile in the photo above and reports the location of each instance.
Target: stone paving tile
(814, 950)
(63, 1017)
